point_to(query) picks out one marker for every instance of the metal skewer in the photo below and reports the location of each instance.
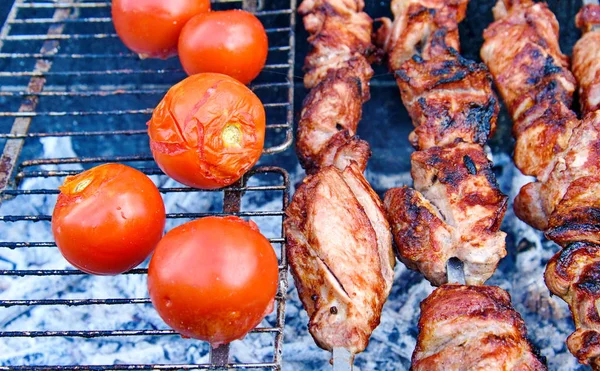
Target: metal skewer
(455, 271)
(342, 359)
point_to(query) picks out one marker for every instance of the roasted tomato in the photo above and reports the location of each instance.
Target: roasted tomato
(108, 219)
(213, 278)
(207, 131)
(233, 42)
(151, 28)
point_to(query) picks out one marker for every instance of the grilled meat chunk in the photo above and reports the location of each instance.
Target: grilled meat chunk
(472, 328)
(573, 274)
(586, 54)
(426, 28)
(456, 211)
(566, 205)
(532, 75)
(340, 32)
(449, 98)
(338, 73)
(330, 116)
(521, 49)
(456, 208)
(340, 254)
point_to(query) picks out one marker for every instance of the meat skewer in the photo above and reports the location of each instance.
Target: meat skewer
(472, 328)
(456, 207)
(338, 240)
(448, 228)
(562, 152)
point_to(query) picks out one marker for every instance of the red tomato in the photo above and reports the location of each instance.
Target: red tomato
(151, 27)
(207, 131)
(108, 219)
(233, 42)
(213, 278)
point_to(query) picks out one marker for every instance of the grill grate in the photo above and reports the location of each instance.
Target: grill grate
(71, 97)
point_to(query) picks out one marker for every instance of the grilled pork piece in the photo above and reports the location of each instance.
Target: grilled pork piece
(457, 207)
(338, 74)
(565, 152)
(472, 328)
(585, 58)
(338, 240)
(339, 249)
(565, 204)
(457, 214)
(573, 274)
(532, 75)
(426, 28)
(449, 98)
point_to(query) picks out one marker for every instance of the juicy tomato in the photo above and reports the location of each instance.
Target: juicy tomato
(108, 219)
(213, 278)
(207, 131)
(233, 42)
(151, 27)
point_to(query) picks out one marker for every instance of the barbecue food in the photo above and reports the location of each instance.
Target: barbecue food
(108, 219)
(472, 328)
(456, 208)
(573, 274)
(207, 131)
(458, 179)
(338, 240)
(564, 153)
(339, 249)
(585, 58)
(522, 52)
(231, 42)
(213, 278)
(338, 73)
(425, 28)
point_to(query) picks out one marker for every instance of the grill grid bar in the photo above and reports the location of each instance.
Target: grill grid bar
(48, 107)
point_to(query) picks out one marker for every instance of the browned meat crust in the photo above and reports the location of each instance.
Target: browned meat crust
(421, 27)
(574, 275)
(522, 51)
(532, 75)
(472, 328)
(586, 53)
(456, 211)
(567, 198)
(330, 113)
(338, 74)
(449, 98)
(454, 109)
(339, 250)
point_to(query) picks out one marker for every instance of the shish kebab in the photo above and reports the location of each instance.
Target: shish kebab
(456, 209)
(338, 240)
(563, 153)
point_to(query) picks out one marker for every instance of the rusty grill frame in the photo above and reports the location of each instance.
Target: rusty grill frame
(13, 170)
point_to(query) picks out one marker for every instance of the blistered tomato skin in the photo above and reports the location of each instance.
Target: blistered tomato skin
(151, 28)
(108, 219)
(232, 42)
(207, 131)
(213, 279)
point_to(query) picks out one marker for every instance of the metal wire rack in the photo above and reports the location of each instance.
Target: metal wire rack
(71, 97)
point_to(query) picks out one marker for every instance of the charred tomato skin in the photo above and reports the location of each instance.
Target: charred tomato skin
(151, 28)
(207, 131)
(108, 219)
(213, 279)
(232, 42)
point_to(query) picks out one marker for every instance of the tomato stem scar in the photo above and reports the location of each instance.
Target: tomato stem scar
(232, 135)
(82, 185)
